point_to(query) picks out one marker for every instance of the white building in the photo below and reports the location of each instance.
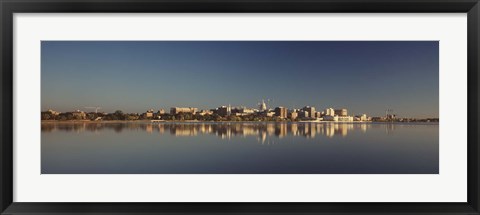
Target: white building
(338, 118)
(329, 112)
(364, 117)
(330, 118)
(345, 118)
(262, 106)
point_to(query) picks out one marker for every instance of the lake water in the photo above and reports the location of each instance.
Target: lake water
(240, 148)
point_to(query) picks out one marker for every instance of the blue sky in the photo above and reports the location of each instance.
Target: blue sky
(133, 76)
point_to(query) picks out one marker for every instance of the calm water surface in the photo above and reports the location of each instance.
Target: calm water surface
(239, 148)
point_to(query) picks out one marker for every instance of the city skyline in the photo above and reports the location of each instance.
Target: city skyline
(365, 77)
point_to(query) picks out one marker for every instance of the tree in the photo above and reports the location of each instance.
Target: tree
(69, 116)
(46, 116)
(188, 116)
(119, 115)
(232, 118)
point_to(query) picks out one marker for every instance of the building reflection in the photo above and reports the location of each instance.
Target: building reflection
(225, 130)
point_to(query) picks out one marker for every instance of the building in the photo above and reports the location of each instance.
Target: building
(310, 110)
(391, 117)
(158, 114)
(362, 117)
(79, 114)
(224, 111)
(377, 119)
(329, 112)
(345, 118)
(205, 112)
(281, 112)
(242, 111)
(148, 114)
(52, 112)
(262, 106)
(177, 110)
(341, 112)
(270, 113)
(293, 115)
(318, 115)
(330, 118)
(338, 118)
(303, 114)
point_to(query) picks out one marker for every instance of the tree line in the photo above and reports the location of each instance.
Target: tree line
(119, 115)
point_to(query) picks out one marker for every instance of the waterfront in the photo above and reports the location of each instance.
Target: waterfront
(239, 148)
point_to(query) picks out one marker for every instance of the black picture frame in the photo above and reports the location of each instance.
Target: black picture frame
(9, 7)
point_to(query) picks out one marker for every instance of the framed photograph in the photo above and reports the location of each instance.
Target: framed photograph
(239, 107)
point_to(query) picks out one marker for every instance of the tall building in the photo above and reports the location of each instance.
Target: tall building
(224, 111)
(303, 114)
(177, 110)
(310, 110)
(262, 106)
(341, 112)
(293, 115)
(281, 112)
(329, 112)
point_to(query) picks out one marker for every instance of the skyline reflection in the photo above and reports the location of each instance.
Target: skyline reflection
(226, 130)
(239, 148)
